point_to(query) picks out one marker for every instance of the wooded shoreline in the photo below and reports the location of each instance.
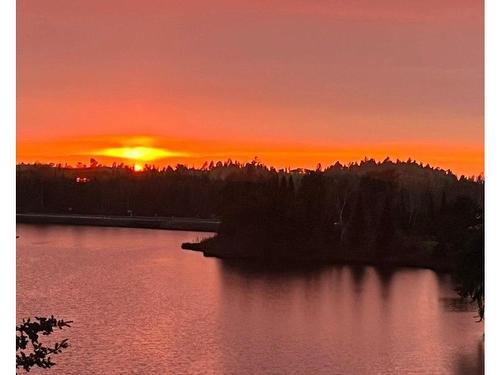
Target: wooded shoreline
(148, 222)
(222, 252)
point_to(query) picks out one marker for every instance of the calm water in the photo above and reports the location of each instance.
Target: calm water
(141, 305)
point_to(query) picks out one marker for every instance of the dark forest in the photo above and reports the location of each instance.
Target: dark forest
(384, 213)
(401, 211)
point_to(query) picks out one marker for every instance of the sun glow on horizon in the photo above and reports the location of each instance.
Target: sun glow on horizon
(141, 153)
(169, 151)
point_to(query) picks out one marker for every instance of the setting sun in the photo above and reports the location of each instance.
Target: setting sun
(138, 168)
(139, 153)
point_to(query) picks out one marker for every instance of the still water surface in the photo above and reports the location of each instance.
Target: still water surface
(141, 305)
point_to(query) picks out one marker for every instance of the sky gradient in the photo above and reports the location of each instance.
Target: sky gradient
(293, 82)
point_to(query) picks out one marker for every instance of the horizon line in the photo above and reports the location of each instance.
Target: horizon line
(255, 160)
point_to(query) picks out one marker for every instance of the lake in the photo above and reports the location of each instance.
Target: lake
(141, 305)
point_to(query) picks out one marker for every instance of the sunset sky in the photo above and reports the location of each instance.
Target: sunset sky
(293, 82)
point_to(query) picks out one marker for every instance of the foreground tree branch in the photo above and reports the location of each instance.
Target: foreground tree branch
(29, 351)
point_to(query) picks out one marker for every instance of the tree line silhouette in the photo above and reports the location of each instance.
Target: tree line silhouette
(378, 211)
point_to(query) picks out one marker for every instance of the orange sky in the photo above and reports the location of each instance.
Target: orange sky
(293, 82)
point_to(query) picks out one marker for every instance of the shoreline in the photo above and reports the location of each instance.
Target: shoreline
(204, 225)
(391, 263)
(145, 222)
